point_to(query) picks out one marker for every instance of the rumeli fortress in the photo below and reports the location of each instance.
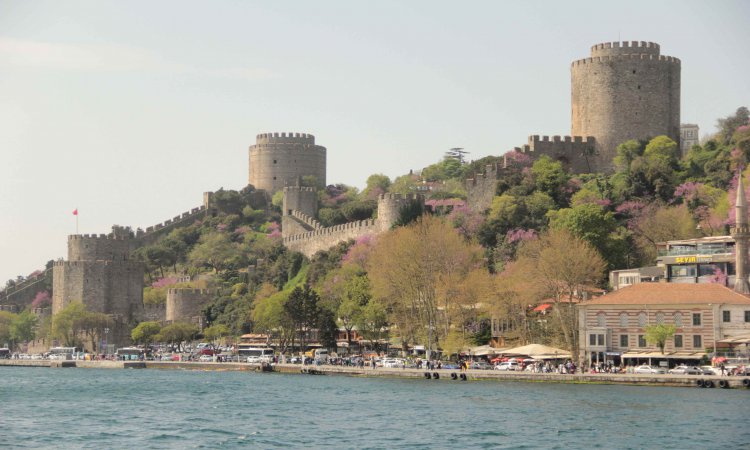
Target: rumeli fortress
(625, 90)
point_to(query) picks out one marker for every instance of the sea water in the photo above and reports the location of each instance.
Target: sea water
(133, 409)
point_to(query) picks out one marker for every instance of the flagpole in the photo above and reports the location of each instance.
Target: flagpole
(76, 220)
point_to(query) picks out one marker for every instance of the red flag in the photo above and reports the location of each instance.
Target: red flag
(75, 212)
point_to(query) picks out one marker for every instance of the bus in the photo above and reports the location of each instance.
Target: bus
(129, 354)
(64, 353)
(256, 355)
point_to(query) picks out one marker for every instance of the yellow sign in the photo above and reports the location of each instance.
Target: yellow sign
(685, 259)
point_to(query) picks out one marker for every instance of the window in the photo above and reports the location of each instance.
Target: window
(677, 320)
(641, 341)
(747, 316)
(681, 271)
(677, 341)
(600, 320)
(697, 341)
(274, 161)
(596, 339)
(659, 318)
(623, 340)
(642, 317)
(624, 319)
(726, 316)
(696, 319)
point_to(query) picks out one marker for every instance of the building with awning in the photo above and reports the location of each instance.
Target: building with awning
(612, 327)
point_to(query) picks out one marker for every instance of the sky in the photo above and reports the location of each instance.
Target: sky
(130, 110)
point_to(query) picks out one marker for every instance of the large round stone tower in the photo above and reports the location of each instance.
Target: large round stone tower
(625, 90)
(281, 159)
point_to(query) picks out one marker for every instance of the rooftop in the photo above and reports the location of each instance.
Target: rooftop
(671, 293)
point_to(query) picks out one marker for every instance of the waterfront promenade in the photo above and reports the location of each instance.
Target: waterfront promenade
(443, 374)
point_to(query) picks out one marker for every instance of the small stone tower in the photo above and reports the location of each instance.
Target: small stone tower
(741, 235)
(625, 90)
(300, 198)
(282, 159)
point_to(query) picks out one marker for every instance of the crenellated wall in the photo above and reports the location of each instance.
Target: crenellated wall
(184, 305)
(155, 232)
(304, 234)
(281, 159)
(92, 247)
(576, 153)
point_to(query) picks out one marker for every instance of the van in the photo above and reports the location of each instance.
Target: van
(321, 356)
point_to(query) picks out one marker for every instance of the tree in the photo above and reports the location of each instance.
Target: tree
(658, 334)
(372, 323)
(215, 250)
(728, 125)
(407, 268)
(22, 327)
(559, 266)
(376, 184)
(74, 323)
(145, 332)
(177, 333)
(6, 319)
(302, 308)
(216, 331)
(550, 178)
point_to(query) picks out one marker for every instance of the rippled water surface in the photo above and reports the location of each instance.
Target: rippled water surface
(92, 408)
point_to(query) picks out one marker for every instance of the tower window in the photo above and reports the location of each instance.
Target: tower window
(274, 161)
(633, 70)
(639, 86)
(274, 178)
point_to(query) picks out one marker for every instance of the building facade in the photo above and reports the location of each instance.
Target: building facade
(689, 136)
(613, 327)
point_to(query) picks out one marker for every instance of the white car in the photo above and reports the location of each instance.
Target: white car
(649, 370)
(393, 363)
(206, 358)
(508, 365)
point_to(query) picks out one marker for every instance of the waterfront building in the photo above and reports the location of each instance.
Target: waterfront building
(612, 327)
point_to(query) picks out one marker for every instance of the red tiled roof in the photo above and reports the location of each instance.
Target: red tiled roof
(542, 307)
(671, 293)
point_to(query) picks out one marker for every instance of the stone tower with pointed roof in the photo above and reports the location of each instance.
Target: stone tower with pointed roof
(741, 235)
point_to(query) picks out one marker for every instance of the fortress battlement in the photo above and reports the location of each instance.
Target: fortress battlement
(189, 291)
(625, 47)
(534, 139)
(106, 237)
(99, 263)
(389, 196)
(366, 224)
(298, 189)
(642, 57)
(176, 219)
(285, 138)
(306, 219)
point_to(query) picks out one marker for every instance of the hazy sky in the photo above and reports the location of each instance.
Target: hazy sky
(130, 110)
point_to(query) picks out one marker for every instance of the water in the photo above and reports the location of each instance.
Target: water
(97, 408)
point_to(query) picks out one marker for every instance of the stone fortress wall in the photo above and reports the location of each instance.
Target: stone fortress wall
(624, 90)
(184, 305)
(302, 233)
(100, 273)
(281, 159)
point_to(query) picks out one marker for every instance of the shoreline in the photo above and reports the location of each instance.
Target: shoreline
(443, 374)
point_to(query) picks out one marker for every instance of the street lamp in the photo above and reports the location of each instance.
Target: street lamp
(106, 336)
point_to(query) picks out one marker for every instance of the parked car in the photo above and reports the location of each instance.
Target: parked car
(508, 365)
(480, 365)
(649, 370)
(710, 370)
(206, 358)
(450, 365)
(685, 370)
